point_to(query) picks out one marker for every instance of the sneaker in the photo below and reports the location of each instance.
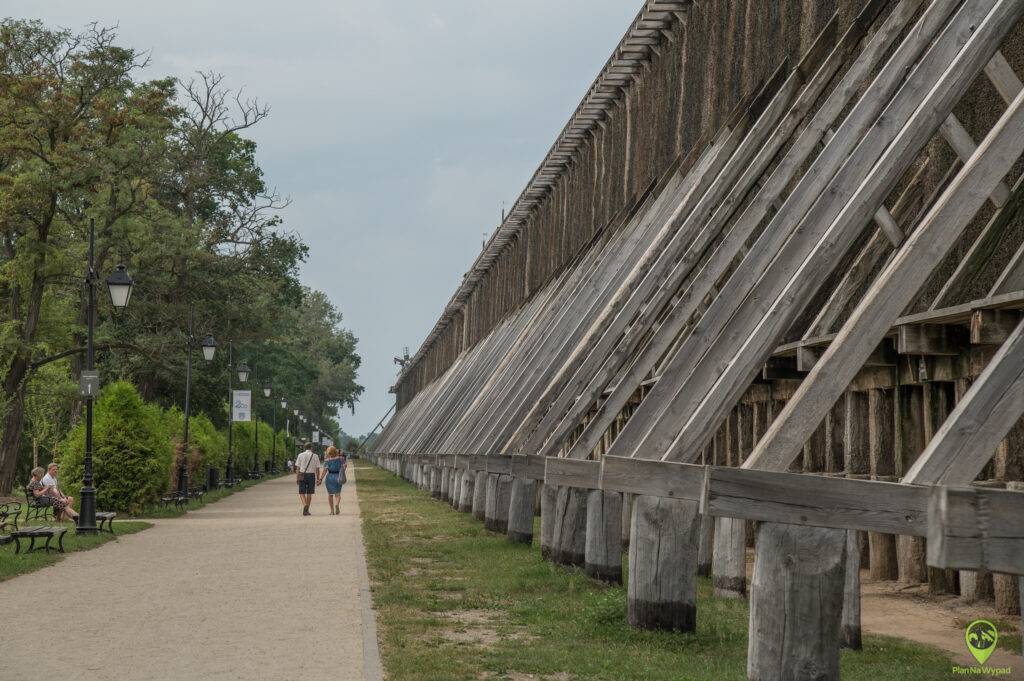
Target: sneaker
(305, 510)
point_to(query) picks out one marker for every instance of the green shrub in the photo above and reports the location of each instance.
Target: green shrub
(132, 450)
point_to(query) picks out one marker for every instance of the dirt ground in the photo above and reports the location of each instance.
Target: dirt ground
(245, 588)
(912, 614)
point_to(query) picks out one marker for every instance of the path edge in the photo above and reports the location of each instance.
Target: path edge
(372, 669)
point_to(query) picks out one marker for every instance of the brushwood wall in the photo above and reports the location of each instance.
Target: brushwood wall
(693, 83)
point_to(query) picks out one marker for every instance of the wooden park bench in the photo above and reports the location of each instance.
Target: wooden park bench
(174, 497)
(34, 532)
(9, 514)
(105, 518)
(35, 509)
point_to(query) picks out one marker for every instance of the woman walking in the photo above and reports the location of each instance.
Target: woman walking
(333, 477)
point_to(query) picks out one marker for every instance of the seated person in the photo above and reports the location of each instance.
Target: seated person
(44, 497)
(50, 480)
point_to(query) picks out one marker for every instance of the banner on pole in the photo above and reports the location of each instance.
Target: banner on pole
(241, 405)
(316, 436)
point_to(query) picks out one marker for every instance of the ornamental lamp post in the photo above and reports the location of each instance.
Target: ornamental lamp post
(209, 346)
(243, 376)
(119, 284)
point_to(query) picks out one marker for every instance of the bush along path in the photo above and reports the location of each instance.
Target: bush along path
(455, 601)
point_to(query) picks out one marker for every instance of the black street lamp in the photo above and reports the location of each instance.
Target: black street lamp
(209, 346)
(273, 443)
(243, 376)
(119, 284)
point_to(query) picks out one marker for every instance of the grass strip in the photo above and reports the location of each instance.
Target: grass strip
(12, 564)
(455, 602)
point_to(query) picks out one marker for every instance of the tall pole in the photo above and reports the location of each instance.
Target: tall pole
(255, 417)
(183, 464)
(231, 411)
(273, 442)
(87, 514)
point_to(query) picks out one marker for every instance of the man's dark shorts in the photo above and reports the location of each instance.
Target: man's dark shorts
(307, 483)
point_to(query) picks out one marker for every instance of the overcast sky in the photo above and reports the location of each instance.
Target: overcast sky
(397, 128)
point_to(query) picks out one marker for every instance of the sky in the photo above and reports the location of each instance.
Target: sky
(398, 129)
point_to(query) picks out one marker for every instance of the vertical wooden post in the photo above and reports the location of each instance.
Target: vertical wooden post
(603, 548)
(499, 493)
(856, 463)
(466, 491)
(456, 487)
(796, 603)
(435, 482)
(446, 481)
(480, 495)
(662, 590)
(570, 527)
(850, 635)
(938, 402)
(520, 511)
(729, 564)
(910, 442)
(881, 444)
(548, 504)
(627, 517)
(729, 559)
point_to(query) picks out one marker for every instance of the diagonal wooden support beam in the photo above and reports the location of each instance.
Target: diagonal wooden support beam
(726, 346)
(633, 357)
(891, 292)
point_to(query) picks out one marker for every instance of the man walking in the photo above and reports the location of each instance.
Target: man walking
(307, 465)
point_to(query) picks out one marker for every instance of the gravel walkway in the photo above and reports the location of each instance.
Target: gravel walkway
(245, 588)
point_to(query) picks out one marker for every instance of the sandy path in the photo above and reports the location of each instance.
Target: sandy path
(884, 610)
(245, 588)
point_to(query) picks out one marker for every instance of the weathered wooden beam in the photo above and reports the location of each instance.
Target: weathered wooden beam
(993, 327)
(559, 472)
(976, 529)
(800, 499)
(930, 339)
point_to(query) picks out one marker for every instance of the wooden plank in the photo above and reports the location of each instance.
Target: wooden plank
(993, 327)
(530, 467)
(654, 478)
(820, 501)
(960, 140)
(972, 528)
(930, 339)
(559, 471)
(502, 465)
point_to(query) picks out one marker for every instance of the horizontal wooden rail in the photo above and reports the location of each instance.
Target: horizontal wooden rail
(971, 528)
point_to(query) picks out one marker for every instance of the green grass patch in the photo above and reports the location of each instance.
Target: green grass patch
(456, 602)
(12, 564)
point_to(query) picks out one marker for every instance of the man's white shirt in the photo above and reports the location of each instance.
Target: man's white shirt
(307, 462)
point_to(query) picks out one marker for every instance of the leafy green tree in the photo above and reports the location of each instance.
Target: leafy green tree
(132, 452)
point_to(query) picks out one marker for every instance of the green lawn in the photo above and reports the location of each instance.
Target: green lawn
(12, 565)
(457, 602)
